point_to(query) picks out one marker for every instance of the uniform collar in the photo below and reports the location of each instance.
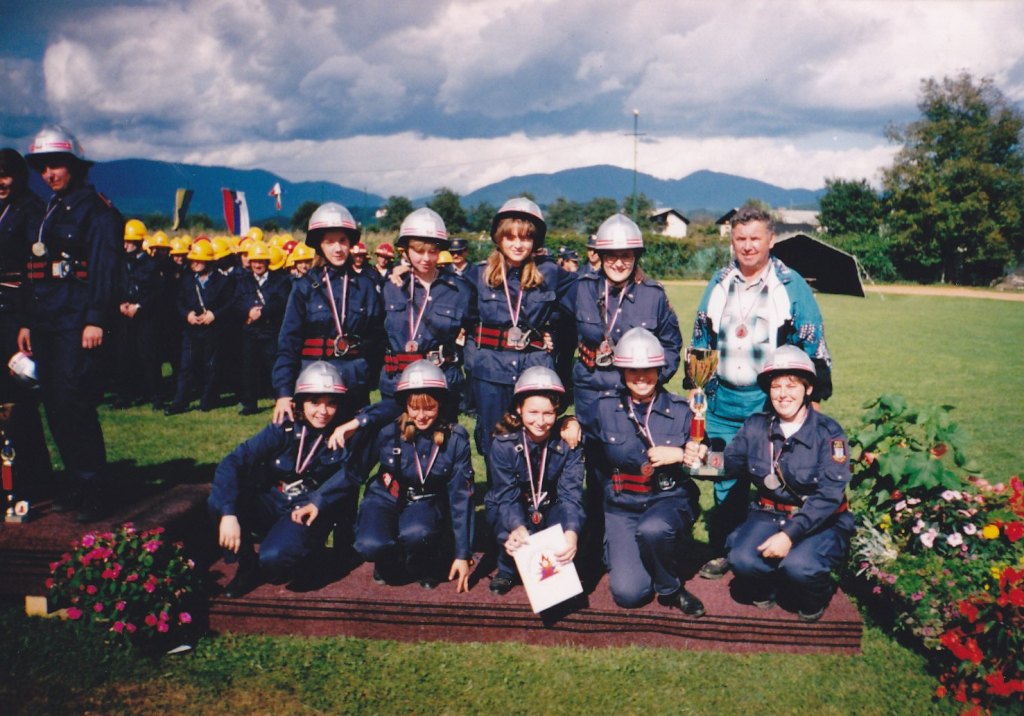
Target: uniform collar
(805, 434)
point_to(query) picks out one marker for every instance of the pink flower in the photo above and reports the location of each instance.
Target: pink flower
(132, 578)
(91, 589)
(928, 538)
(151, 620)
(118, 627)
(97, 607)
(152, 546)
(900, 506)
(913, 501)
(162, 627)
(74, 613)
(955, 540)
(131, 628)
(876, 589)
(917, 596)
(49, 583)
(164, 616)
(149, 587)
(54, 565)
(184, 618)
(970, 529)
(120, 605)
(89, 540)
(891, 578)
(71, 572)
(950, 495)
(918, 526)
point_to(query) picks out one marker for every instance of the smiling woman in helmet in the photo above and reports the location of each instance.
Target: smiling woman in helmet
(333, 314)
(424, 485)
(538, 478)
(799, 528)
(650, 500)
(284, 481)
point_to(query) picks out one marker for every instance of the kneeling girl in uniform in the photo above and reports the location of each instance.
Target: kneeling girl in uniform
(299, 500)
(425, 482)
(799, 528)
(538, 478)
(650, 501)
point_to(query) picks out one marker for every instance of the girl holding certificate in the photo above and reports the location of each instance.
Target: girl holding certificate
(538, 478)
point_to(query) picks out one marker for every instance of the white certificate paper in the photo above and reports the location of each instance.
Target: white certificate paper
(546, 581)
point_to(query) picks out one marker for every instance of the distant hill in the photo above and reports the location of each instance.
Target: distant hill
(703, 190)
(142, 186)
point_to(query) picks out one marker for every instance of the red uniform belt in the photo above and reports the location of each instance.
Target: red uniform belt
(397, 362)
(622, 482)
(771, 504)
(57, 270)
(318, 348)
(497, 339)
(587, 355)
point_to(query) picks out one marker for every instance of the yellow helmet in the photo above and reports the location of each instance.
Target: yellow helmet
(134, 230)
(302, 252)
(220, 247)
(278, 240)
(201, 251)
(179, 246)
(159, 240)
(444, 257)
(277, 258)
(256, 233)
(258, 251)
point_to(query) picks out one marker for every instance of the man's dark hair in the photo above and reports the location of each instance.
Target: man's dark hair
(747, 213)
(13, 165)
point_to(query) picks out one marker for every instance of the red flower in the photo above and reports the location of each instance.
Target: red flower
(940, 693)
(49, 583)
(152, 546)
(184, 618)
(939, 450)
(969, 610)
(74, 613)
(151, 620)
(999, 686)
(1015, 597)
(91, 589)
(1014, 531)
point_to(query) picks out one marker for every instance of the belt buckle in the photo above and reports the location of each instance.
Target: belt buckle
(60, 269)
(666, 482)
(291, 489)
(341, 347)
(436, 357)
(517, 338)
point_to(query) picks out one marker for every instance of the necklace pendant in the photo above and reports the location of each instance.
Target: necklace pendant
(647, 469)
(411, 347)
(535, 517)
(39, 249)
(741, 330)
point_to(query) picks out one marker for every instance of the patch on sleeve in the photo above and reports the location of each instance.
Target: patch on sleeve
(839, 451)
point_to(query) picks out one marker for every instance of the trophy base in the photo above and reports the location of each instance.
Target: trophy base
(19, 514)
(715, 466)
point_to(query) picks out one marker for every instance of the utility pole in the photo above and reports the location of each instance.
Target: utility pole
(636, 137)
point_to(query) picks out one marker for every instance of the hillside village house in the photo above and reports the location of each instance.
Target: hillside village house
(787, 222)
(669, 222)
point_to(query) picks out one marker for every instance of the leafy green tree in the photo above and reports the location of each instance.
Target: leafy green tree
(300, 219)
(479, 217)
(596, 211)
(850, 207)
(641, 213)
(564, 215)
(448, 204)
(395, 210)
(956, 187)
(198, 223)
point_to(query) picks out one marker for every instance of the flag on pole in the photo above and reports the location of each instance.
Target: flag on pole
(275, 191)
(236, 212)
(182, 198)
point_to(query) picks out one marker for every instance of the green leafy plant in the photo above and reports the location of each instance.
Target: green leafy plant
(134, 582)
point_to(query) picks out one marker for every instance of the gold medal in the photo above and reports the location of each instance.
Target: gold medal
(39, 249)
(647, 469)
(340, 346)
(535, 518)
(411, 347)
(741, 330)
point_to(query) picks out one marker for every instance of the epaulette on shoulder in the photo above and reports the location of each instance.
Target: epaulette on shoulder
(105, 200)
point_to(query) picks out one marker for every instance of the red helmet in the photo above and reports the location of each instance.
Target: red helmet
(386, 250)
(359, 249)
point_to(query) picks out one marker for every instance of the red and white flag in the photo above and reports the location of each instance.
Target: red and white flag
(275, 192)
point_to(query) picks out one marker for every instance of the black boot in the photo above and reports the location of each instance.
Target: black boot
(246, 579)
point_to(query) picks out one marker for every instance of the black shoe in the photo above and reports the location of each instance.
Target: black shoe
(501, 584)
(249, 410)
(95, 506)
(429, 582)
(810, 616)
(175, 409)
(766, 602)
(715, 568)
(158, 405)
(378, 578)
(206, 407)
(688, 603)
(244, 582)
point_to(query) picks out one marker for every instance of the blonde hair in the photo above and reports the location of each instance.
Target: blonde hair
(531, 276)
(422, 401)
(420, 245)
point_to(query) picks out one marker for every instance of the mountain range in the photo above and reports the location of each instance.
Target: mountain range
(142, 186)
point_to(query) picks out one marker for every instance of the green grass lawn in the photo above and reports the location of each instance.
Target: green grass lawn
(935, 351)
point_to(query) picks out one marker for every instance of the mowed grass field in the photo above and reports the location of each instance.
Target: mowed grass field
(934, 350)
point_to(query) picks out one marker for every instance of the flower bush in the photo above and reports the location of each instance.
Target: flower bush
(942, 548)
(135, 583)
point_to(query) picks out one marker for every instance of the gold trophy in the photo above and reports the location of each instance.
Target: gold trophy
(15, 510)
(701, 365)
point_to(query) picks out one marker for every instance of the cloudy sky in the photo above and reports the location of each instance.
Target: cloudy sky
(405, 96)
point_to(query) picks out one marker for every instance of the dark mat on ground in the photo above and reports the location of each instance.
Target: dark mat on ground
(356, 606)
(27, 549)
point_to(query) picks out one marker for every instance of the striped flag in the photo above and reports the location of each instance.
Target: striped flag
(236, 212)
(182, 198)
(275, 191)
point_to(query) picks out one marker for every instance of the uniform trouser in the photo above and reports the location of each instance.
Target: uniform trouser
(592, 545)
(138, 358)
(24, 428)
(258, 354)
(642, 549)
(69, 378)
(200, 355)
(555, 514)
(804, 574)
(286, 544)
(396, 533)
(492, 402)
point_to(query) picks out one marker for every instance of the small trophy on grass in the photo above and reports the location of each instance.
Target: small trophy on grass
(701, 365)
(15, 510)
